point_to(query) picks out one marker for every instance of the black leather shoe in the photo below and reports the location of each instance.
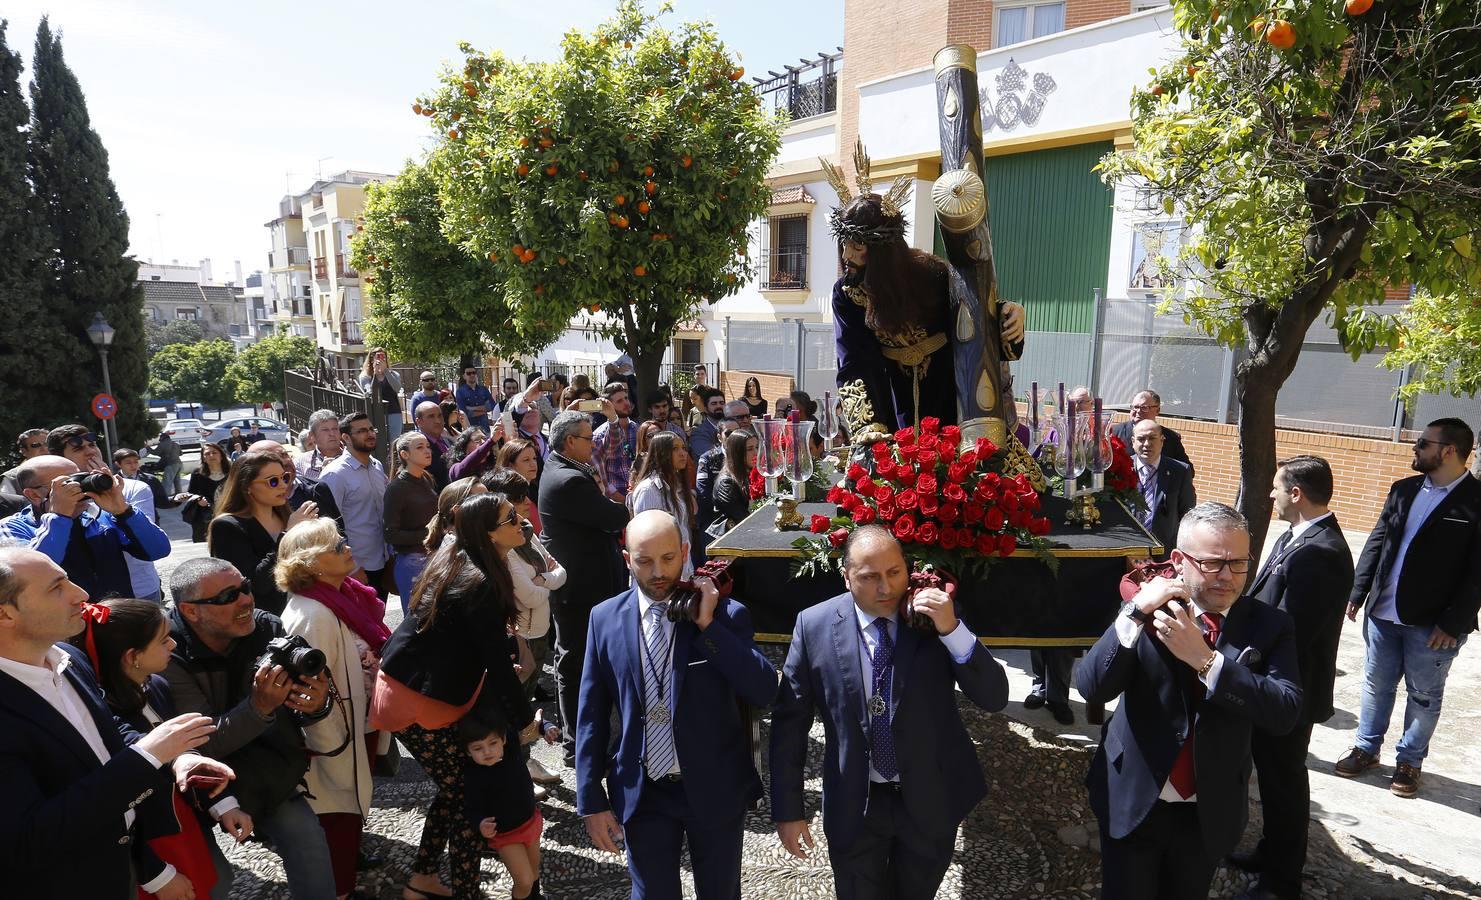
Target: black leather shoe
(1062, 712)
(1245, 862)
(1033, 701)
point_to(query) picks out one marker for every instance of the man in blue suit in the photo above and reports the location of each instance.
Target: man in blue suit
(76, 779)
(1170, 782)
(678, 764)
(899, 770)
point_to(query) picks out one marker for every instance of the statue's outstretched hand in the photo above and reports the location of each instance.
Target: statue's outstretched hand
(1012, 321)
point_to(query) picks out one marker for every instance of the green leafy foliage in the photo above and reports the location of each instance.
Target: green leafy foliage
(1314, 176)
(255, 375)
(158, 335)
(616, 182)
(195, 372)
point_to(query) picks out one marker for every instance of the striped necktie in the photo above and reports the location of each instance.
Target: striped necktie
(659, 752)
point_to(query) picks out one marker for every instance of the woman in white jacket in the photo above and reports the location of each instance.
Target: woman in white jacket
(535, 573)
(343, 619)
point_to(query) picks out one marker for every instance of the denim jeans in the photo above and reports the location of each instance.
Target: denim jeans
(1396, 650)
(407, 567)
(294, 833)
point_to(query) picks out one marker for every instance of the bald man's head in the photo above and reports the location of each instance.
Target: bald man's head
(36, 474)
(278, 452)
(655, 552)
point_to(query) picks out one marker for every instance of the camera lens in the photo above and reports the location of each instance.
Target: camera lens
(308, 663)
(94, 482)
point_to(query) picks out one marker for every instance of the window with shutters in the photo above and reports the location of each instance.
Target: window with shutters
(784, 253)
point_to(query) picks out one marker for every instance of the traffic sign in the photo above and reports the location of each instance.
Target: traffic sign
(104, 406)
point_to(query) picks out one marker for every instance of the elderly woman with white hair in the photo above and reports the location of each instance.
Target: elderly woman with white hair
(342, 618)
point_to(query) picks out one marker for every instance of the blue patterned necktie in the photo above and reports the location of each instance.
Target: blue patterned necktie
(658, 750)
(881, 738)
(1148, 483)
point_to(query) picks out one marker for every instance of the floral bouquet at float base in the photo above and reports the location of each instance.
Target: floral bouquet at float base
(951, 508)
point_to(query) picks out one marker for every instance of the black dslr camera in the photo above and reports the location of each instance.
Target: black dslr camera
(295, 655)
(93, 482)
(684, 601)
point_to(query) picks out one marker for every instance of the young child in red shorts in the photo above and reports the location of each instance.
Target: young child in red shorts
(499, 797)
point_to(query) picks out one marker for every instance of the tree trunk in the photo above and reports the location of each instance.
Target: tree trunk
(647, 361)
(1257, 390)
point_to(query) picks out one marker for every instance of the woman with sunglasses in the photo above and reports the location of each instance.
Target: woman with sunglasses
(410, 504)
(129, 645)
(454, 651)
(204, 489)
(251, 516)
(342, 618)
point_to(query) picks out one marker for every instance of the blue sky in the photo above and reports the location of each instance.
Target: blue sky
(211, 111)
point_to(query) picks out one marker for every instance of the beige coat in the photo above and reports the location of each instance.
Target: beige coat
(341, 783)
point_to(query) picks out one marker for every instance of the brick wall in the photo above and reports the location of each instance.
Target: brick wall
(1085, 12)
(970, 21)
(880, 38)
(1362, 468)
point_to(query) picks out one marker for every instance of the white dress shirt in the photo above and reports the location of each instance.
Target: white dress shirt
(666, 678)
(959, 643)
(52, 685)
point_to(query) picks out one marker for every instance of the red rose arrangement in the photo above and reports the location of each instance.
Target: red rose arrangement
(947, 506)
(757, 485)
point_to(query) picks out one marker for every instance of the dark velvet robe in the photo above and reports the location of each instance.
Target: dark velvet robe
(889, 385)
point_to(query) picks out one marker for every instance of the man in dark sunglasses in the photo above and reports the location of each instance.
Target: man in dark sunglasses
(259, 709)
(29, 443)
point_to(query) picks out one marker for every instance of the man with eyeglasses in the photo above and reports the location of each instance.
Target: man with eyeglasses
(29, 443)
(1144, 408)
(90, 535)
(259, 710)
(352, 491)
(1198, 667)
(474, 399)
(1419, 580)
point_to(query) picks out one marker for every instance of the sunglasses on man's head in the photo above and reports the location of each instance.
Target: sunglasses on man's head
(229, 595)
(76, 442)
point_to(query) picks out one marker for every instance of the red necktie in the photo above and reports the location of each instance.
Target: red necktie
(1182, 777)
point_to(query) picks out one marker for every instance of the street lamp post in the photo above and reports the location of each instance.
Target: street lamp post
(101, 334)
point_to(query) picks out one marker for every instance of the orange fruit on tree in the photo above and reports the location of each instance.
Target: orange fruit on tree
(547, 142)
(1156, 90)
(643, 207)
(612, 218)
(737, 74)
(1281, 35)
(551, 170)
(453, 133)
(523, 170)
(622, 221)
(1357, 7)
(640, 270)
(539, 289)
(416, 108)
(686, 161)
(620, 199)
(651, 187)
(594, 308)
(1192, 71)
(529, 256)
(627, 44)
(524, 142)
(561, 260)
(493, 257)
(1257, 26)
(648, 171)
(519, 249)
(582, 175)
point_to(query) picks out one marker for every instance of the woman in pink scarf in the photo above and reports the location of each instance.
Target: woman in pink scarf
(342, 618)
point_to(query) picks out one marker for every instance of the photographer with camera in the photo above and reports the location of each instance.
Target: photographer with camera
(236, 663)
(679, 762)
(84, 523)
(899, 770)
(1198, 667)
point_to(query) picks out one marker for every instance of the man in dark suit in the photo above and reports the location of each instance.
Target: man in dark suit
(72, 775)
(1170, 781)
(1144, 407)
(1309, 575)
(678, 764)
(580, 527)
(1165, 483)
(1419, 578)
(899, 770)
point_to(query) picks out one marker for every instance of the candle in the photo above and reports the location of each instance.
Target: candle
(1095, 431)
(1061, 396)
(1033, 405)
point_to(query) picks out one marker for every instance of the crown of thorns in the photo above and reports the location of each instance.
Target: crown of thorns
(892, 204)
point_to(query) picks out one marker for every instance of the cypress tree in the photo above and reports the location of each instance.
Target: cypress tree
(33, 338)
(89, 270)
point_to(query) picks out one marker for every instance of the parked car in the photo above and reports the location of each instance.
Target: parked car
(186, 432)
(271, 429)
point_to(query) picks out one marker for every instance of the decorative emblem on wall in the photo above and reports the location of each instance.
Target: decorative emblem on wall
(1011, 109)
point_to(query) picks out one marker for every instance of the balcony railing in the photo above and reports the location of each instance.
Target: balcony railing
(349, 332)
(321, 268)
(784, 269)
(809, 89)
(293, 256)
(342, 267)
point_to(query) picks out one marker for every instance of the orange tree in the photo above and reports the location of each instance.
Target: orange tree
(616, 181)
(1322, 150)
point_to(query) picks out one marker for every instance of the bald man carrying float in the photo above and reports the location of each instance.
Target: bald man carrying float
(678, 765)
(899, 770)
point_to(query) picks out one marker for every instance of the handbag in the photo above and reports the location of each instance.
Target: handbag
(387, 761)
